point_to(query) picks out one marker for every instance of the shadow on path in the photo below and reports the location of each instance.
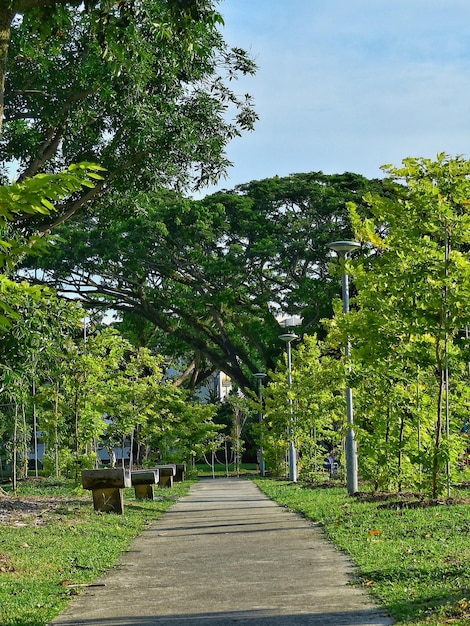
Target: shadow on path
(225, 554)
(246, 618)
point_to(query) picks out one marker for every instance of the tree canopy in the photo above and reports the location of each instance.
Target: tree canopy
(100, 99)
(144, 89)
(213, 275)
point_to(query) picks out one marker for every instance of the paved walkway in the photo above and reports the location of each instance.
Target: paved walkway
(225, 554)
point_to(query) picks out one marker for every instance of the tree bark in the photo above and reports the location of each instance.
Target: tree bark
(6, 16)
(438, 432)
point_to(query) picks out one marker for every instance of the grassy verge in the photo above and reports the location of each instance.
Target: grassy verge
(415, 561)
(46, 558)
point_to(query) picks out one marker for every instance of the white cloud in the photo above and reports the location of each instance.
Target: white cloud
(351, 84)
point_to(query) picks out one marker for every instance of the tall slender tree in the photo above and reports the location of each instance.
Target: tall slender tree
(411, 312)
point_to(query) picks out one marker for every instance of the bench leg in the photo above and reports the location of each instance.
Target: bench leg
(165, 481)
(144, 492)
(109, 500)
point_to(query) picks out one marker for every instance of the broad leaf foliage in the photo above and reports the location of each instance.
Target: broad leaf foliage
(214, 274)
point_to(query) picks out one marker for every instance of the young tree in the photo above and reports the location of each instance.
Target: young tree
(30, 340)
(411, 312)
(133, 392)
(182, 428)
(316, 421)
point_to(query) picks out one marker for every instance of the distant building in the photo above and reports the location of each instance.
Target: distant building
(217, 387)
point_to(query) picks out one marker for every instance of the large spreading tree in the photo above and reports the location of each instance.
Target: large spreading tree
(210, 277)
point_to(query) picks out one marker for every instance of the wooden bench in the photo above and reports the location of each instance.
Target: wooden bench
(144, 482)
(166, 474)
(107, 487)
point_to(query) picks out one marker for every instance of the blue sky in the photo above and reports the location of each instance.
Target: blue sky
(349, 85)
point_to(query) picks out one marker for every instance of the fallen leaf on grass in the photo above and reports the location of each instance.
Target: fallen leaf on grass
(375, 531)
(6, 564)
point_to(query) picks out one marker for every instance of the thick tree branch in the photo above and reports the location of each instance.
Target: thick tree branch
(53, 136)
(48, 149)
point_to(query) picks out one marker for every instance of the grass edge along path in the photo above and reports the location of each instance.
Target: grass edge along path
(46, 561)
(414, 561)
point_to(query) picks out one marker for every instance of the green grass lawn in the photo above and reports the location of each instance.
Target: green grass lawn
(415, 561)
(49, 553)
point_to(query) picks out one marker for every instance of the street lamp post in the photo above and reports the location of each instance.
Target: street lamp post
(343, 249)
(288, 338)
(260, 376)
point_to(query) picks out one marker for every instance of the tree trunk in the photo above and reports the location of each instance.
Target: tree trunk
(76, 433)
(56, 434)
(400, 452)
(24, 471)
(14, 476)
(6, 16)
(35, 427)
(379, 482)
(438, 436)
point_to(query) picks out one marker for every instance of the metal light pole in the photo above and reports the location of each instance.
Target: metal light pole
(289, 338)
(260, 376)
(343, 249)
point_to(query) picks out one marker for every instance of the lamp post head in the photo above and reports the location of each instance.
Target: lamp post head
(344, 247)
(260, 375)
(288, 337)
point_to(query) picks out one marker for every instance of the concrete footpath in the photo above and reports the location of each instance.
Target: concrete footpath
(225, 554)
